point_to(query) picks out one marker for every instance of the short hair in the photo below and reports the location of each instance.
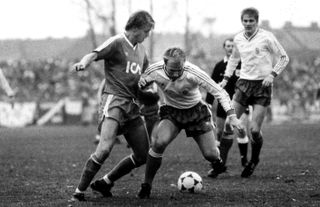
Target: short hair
(252, 12)
(140, 20)
(228, 39)
(174, 53)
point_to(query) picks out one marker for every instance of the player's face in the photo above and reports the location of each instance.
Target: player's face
(174, 69)
(228, 46)
(249, 23)
(142, 34)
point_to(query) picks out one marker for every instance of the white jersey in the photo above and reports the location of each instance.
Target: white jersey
(5, 85)
(260, 55)
(184, 92)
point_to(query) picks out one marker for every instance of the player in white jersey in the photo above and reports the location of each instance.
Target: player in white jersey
(179, 82)
(262, 59)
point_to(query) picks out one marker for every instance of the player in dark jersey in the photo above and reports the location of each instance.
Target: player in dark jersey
(124, 61)
(225, 134)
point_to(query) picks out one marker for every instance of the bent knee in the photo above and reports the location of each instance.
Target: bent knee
(159, 146)
(211, 155)
(256, 135)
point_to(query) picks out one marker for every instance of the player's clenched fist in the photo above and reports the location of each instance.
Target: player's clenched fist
(144, 81)
(78, 66)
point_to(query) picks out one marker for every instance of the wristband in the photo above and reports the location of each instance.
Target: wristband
(231, 112)
(274, 74)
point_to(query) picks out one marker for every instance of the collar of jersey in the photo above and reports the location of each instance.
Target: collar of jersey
(252, 36)
(128, 41)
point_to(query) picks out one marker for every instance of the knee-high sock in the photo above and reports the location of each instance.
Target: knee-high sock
(90, 169)
(243, 146)
(122, 168)
(153, 164)
(256, 146)
(224, 148)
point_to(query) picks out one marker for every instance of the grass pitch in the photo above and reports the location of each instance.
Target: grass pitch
(41, 166)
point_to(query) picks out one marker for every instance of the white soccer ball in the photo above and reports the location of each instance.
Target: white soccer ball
(190, 182)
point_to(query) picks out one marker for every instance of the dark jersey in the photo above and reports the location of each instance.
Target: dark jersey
(123, 65)
(217, 76)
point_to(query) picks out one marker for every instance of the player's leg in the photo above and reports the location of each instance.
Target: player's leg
(243, 142)
(210, 152)
(165, 133)
(132, 127)
(138, 141)
(220, 121)
(225, 137)
(258, 114)
(93, 164)
(150, 115)
(151, 122)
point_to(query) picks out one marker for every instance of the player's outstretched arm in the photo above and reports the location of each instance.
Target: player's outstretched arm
(85, 62)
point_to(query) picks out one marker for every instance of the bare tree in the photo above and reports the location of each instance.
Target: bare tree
(187, 30)
(91, 31)
(209, 22)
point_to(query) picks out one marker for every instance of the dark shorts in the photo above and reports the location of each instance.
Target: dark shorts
(221, 113)
(195, 121)
(121, 109)
(251, 92)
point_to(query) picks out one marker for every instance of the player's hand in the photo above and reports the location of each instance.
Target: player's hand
(223, 83)
(144, 81)
(234, 122)
(78, 66)
(268, 81)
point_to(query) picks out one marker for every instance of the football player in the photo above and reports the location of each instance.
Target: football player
(124, 60)
(262, 60)
(225, 134)
(179, 82)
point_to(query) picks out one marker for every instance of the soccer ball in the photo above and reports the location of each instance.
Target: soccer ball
(190, 182)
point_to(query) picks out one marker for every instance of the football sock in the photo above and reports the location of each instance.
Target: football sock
(122, 168)
(106, 179)
(153, 164)
(78, 191)
(89, 171)
(224, 148)
(256, 146)
(243, 146)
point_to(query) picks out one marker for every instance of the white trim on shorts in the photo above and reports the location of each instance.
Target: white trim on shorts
(106, 105)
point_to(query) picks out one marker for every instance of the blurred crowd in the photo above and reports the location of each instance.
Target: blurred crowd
(297, 89)
(50, 79)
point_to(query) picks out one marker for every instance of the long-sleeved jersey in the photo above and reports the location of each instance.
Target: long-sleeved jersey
(260, 55)
(5, 85)
(184, 92)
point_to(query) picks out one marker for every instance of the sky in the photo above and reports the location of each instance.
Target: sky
(38, 19)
